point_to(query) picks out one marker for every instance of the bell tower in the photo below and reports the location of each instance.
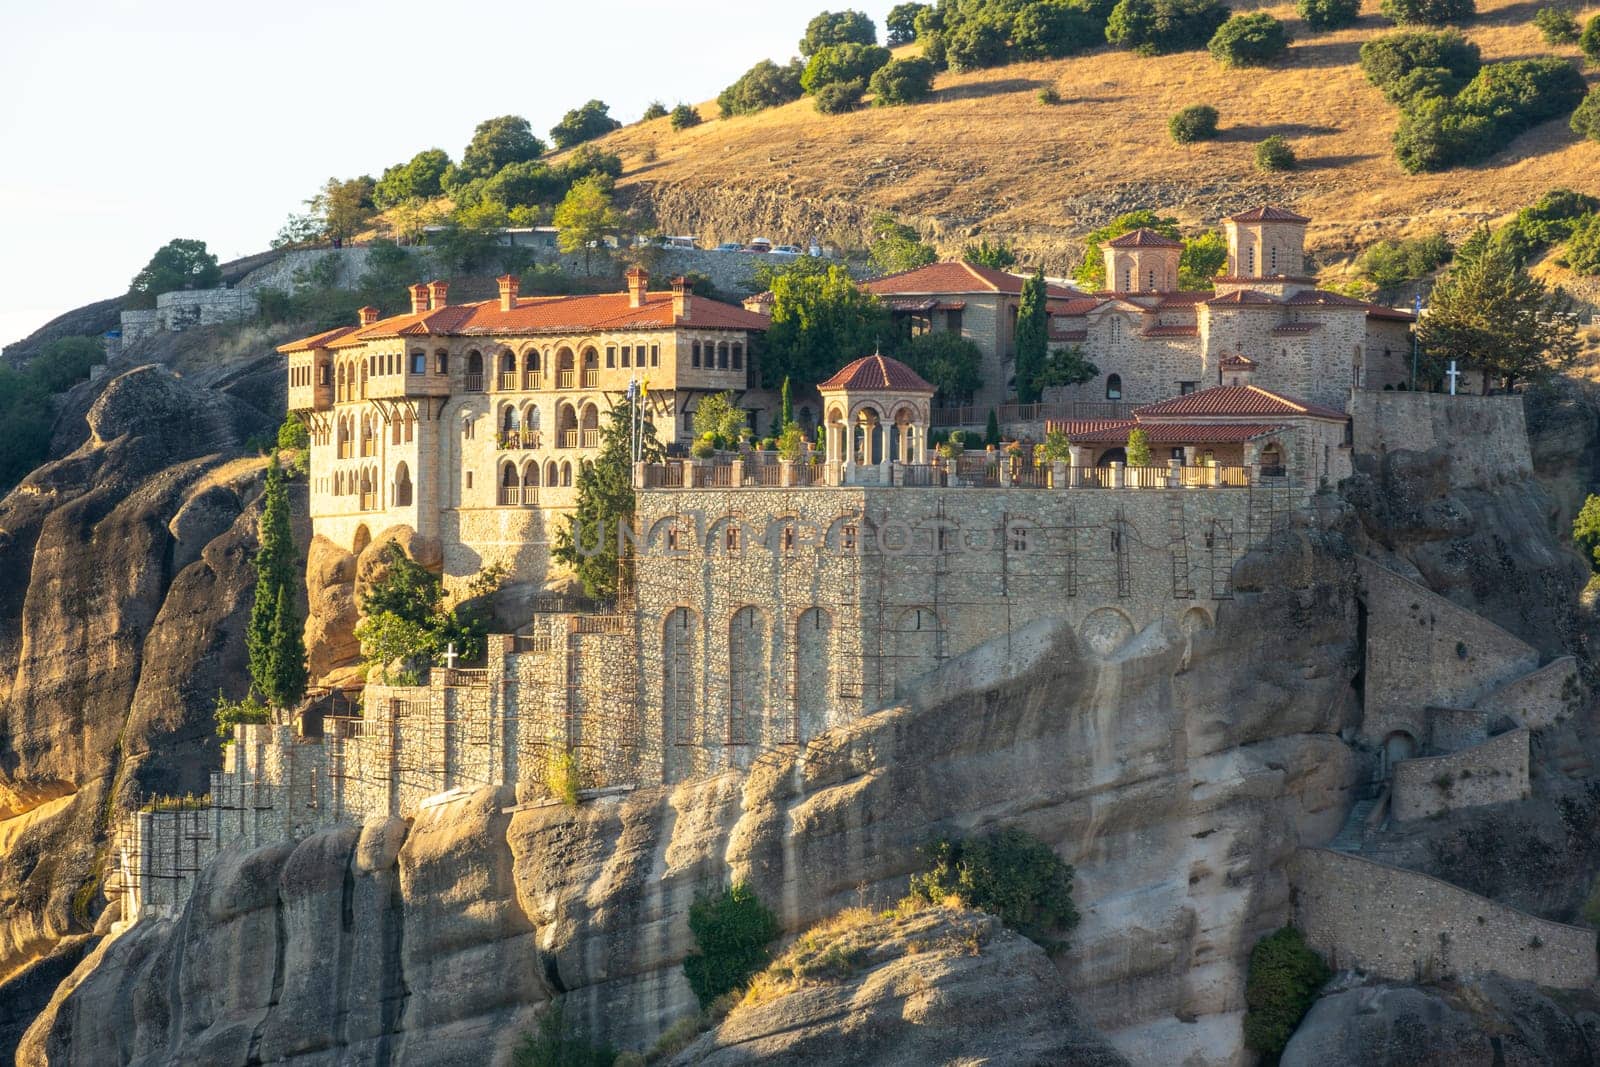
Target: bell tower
(1142, 261)
(1266, 242)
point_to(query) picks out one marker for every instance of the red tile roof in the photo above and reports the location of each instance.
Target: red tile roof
(878, 372)
(1237, 361)
(548, 314)
(1244, 296)
(1266, 213)
(1144, 238)
(318, 340)
(1323, 297)
(1185, 298)
(1174, 433)
(1172, 331)
(1236, 400)
(1294, 279)
(1074, 308)
(956, 277)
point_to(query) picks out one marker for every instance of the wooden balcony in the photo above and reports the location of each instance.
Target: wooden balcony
(591, 438)
(473, 383)
(509, 380)
(395, 386)
(310, 397)
(564, 379)
(515, 496)
(532, 380)
(591, 377)
(519, 440)
(568, 439)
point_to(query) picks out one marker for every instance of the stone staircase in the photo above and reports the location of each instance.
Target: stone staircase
(1354, 832)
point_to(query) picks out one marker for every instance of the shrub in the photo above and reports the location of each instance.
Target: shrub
(1284, 977)
(1055, 448)
(902, 81)
(1197, 122)
(292, 433)
(838, 27)
(1385, 60)
(901, 22)
(1138, 451)
(1275, 154)
(762, 86)
(246, 711)
(1428, 12)
(1583, 251)
(656, 110)
(732, 930)
(1390, 264)
(1586, 120)
(1249, 41)
(839, 97)
(1589, 41)
(1049, 97)
(1500, 102)
(1152, 27)
(555, 1045)
(1556, 25)
(842, 63)
(1547, 220)
(1328, 14)
(1051, 29)
(991, 429)
(974, 45)
(1010, 874)
(563, 776)
(684, 116)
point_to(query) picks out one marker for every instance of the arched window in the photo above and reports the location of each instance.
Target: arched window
(474, 371)
(694, 358)
(1274, 259)
(394, 431)
(411, 427)
(566, 473)
(1127, 278)
(1113, 387)
(402, 486)
(510, 418)
(1250, 261)
(510, 485)
(738, 356)
(1150, 281)
(722, 355)
(441, 362)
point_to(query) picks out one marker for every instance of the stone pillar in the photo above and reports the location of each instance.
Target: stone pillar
(641, 475)
(1080, 459)
(1005, 472)
(1213, 475)
(737, 477)
(1174, 474)
(1058, 475)
(1119, 476)
(786, 472)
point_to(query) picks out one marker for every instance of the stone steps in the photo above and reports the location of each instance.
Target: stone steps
(1354, 832)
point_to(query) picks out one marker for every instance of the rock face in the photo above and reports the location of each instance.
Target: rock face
(936, 986)
(124, 588)
(1491, 1023)
(1177, 784)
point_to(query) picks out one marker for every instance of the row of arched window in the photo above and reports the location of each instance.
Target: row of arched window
(363, 482)
(719, 355)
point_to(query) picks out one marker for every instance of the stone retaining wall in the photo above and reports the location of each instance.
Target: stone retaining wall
(1494, 425)
(1539, 699)
(1406, 927)
(1490, 773)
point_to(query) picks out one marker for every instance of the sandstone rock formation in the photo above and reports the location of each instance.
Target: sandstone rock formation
(124, 586)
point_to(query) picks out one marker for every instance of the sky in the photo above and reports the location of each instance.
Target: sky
(126, 123)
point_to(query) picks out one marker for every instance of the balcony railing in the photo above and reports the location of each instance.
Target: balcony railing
(568, 439)
(519, 496)
(591, 377)
(532, 380)
(564, 379)
(591, 438)
(508, 381)
(474, 382)
(518, 440)
(369, 501)
(964, 472)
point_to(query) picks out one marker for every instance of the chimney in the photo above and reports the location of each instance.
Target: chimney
(419, 298)
(638, 285)
(509, 285)
(367, 316)
(682, 298)
(436, 294)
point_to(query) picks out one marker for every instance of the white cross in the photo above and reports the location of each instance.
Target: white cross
(1453, 374)
(450, 655)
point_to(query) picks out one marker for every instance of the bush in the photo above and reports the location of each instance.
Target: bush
(1385, 60)
(1428, 12)
(1275, 154)
(1390, 264)
(555, 1045)
(1051, 29)
(1500, 102)
(901, 81)
(292, 433)
(1583, 250)
(1138, 451)
(832, 28)
(1556, 25)
(975, 45)
(656, 110)
(732, 930)
(762, 86)
(842, 63)
(1586, 120)
(1328, 14)
(839, 97)
(1197, 122)
(248, 711)
(1249, 41)
(1589, 41)
(1153, 27)
(1049, 97)
(1285, 975)
(684, 116)
(1010, 874)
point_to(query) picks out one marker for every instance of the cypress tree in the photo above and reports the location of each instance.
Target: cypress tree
(277, 655)
(588, 543)
(991, 432)
(786, 408)
(1032, 335)
(288, 652)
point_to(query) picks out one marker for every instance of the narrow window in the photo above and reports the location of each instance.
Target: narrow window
(738, 357)
(611, 356)
(655, 355)
(695, 358)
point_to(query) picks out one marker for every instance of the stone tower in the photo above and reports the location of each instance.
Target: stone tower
(1142, 261)
(1266, 242)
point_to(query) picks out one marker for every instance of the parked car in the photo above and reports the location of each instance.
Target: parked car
(788, 250)
(730, 246)
(678, 242)
(758, 244)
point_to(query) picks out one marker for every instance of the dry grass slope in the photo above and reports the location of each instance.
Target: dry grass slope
(986, 155)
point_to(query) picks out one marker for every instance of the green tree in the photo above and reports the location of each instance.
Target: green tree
(1390, 264)
(762, 86)
(1033, 335)
(839, 98)
(897, 247)
(1251, 40)
(1490, 313)
(685, 116)
(1204, 256)
(584, 123)
(818, 321)
(975, 45)
(1328, 14)
(418, 179)
(1066, 366)
(1010, 874)
(277, 655)
(991, 429)
(785, 407)
(1428, 12)
(1556, 25)
(1091, 272)
(718, 419)
(179, 264)
(1388, 59)
(1052, 29)
(836, 28)
(1583, 250)
(1274, 153)
(950, 363)
(997, 256)
(841, 64)
(1586, 531)
(1138, 450)
(1197, 122)
(656, 110)
(555, 1044)
(1283, 980)
(64, 362)
(1589, 41)
(901, 23)
(902, 81)
(344, 207)
(298, 231)
(732, 931)
(1586, 119)
(586, 215)
(497, 143)
(588, 542)
(1154, 27)
(292, 433)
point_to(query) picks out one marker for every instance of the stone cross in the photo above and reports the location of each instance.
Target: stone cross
(1453, 375)
(450, 655)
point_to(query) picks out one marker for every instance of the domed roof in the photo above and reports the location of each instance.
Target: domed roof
(1144, 238)
(877, 373)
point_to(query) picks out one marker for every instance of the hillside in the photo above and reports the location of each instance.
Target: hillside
(987, 156)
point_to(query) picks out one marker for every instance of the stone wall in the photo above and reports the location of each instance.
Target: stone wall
(185, 308)
(1424, 650)
(289, 271)
(1540, 699)
(1486, 436)
(1407, 927)
(1493, 772)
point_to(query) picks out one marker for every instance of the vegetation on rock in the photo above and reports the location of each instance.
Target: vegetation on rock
(276, 652)
(556, 1044)
(732, 932)
(1010, 874)
(588, 541)
(26, 409)
(1285, 975)
(179, 264)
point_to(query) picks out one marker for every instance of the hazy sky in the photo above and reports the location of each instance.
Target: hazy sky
(125, 123)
